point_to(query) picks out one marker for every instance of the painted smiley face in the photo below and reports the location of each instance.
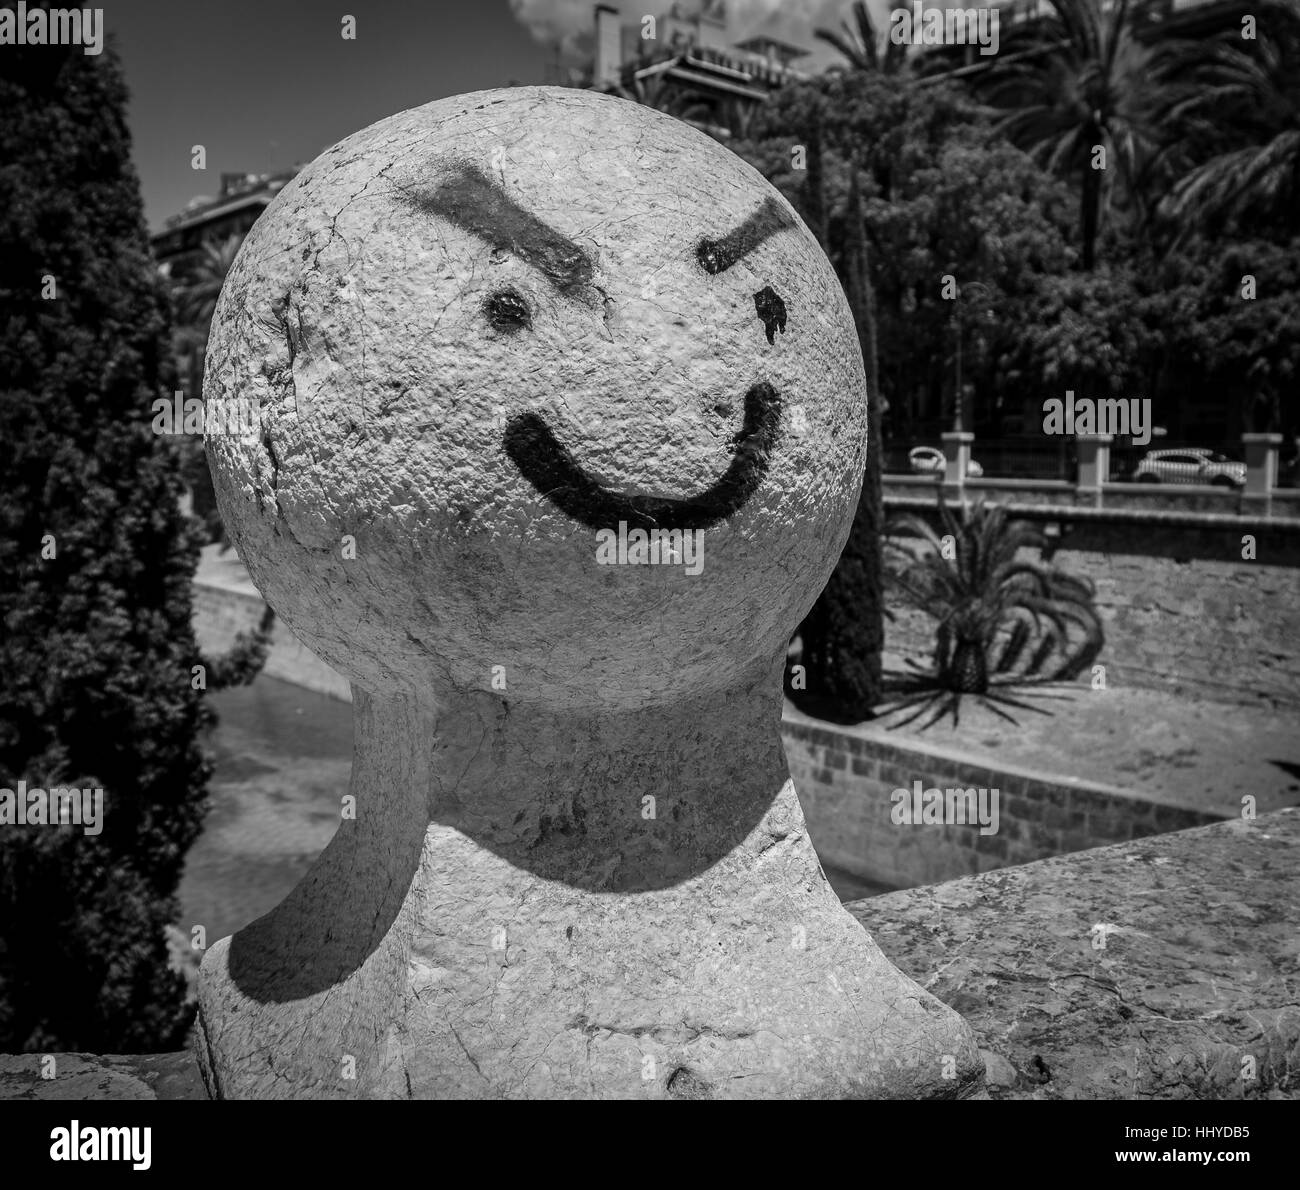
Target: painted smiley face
(470, 200)
(482, 331)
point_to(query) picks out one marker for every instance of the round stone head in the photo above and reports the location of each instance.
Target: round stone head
(554, 393)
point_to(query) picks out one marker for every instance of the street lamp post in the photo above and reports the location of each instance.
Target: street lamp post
(958, 392)
(956, 385)
(957, 441)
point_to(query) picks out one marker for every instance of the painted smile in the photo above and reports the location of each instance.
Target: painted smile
(557, 476)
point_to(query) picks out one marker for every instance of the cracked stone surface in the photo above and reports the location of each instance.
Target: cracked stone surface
(573, 863)
(1194, 995)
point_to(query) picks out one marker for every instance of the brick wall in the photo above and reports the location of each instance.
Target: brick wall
(845, 777)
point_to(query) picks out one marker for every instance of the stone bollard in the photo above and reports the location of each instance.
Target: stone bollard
(562, 426)
(956, 449)
(1094, 468)
(1261, 472)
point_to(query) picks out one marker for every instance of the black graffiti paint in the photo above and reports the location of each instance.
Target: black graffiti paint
(472, 201)
(771, 309)
(547, 464)
(508, 311)
(716, 256)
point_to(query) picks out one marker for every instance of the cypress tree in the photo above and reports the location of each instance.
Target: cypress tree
(843, 634)
(96, 565)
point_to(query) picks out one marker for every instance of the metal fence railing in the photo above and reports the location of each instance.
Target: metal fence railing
(1037, 457)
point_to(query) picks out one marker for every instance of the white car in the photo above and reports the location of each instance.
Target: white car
(1192, 464)
(928, 460)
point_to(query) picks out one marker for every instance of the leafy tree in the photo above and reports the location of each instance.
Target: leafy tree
(977, 211)
(944, 197)
(1089, 335)
(96, 566)
(1245, 350)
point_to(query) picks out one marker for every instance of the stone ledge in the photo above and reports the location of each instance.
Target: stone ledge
(1197, 973)
(111, 1078)
(1146, 505)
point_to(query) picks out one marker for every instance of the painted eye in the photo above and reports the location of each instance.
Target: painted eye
(508, 311)
(771, 310)
(710, 257)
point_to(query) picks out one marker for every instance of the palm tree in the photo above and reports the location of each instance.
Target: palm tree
(1253, 88)
(990, 606)
(863, 46)
(188, 347)
(739, 115)
(197, 299)
(1069, 82)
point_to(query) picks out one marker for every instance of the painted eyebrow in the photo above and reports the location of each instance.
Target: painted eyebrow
(472, 201)
(716, 256)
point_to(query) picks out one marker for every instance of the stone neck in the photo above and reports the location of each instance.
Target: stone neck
(620, 799)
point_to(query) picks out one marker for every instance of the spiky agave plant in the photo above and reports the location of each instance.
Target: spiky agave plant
(1003, 620)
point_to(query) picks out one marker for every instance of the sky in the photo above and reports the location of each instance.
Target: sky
(267, 84)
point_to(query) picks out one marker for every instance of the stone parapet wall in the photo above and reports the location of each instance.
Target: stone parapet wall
(1158, 969)
(1115, 497)
(1155, 969)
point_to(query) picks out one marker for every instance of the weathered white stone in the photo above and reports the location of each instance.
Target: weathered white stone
(577, 865)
